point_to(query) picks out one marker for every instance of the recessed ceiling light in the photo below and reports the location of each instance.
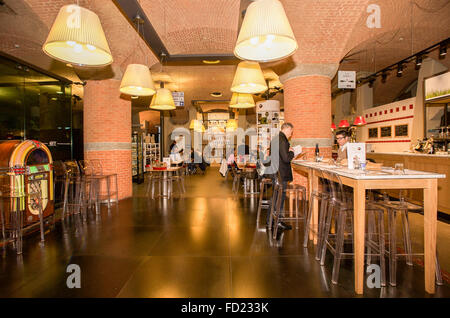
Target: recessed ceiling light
(211, 61)
(69, 65)
(216, 94)
(134, 97)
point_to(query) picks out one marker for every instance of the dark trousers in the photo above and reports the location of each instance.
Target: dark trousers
(283, 198)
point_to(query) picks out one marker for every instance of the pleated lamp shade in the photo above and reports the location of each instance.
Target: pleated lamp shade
(275, 84)
(137, 81)
(77, 37)
(266, 34)
(239, 100)
(248, 78)
(163, 100)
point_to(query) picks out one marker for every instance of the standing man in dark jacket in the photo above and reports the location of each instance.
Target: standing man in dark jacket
(286, 154)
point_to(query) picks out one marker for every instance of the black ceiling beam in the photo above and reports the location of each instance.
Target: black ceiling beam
(131, 8)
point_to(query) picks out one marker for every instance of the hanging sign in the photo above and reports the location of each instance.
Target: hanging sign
(346, 79)
(178, 98)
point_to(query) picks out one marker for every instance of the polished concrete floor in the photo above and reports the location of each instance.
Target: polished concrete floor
(203, 244)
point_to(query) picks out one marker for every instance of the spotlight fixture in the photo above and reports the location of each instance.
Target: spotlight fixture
(383, 77)
(371, 81)
(399, 69)
(419, 59)
(442, 50)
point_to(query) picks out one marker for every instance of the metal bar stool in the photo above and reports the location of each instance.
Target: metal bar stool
(402, 208)
(341, 208)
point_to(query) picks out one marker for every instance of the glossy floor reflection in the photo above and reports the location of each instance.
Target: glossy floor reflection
(203, 244)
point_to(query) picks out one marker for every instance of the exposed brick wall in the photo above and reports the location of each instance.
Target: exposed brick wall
(307, 105)
(107, 118)
(117, 161)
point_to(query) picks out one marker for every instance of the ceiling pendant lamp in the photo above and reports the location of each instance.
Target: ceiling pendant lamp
(248, 79)
(344, 124)
(77, 37)
(359, 121)
(137, 81)
(266, 34)
(333, 126)
(163, 99)
(239, 100)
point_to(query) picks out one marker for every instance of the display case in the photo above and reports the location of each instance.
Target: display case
(269, 119)
(151, 154)
(137, 151)
(437, 111)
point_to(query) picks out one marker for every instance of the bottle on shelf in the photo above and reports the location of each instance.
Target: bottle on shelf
(317, 154)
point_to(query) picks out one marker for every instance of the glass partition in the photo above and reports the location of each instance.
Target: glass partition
(36, 106)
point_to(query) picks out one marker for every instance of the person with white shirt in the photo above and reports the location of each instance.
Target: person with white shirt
(342, 140)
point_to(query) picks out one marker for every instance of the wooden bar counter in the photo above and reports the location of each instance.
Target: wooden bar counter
(422, 162)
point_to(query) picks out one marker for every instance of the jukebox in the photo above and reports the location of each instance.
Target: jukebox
(26, 165)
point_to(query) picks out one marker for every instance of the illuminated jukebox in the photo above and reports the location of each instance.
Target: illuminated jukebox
(29, 163)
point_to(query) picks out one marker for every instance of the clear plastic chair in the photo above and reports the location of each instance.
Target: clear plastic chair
(340, 209)
(74, 188)
(237, 178)
(92, 171)
(322, 195)
(402, 208)
(263, 185)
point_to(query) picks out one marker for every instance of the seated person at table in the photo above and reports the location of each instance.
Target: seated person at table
(198, 161)
(231, 161)
(176, 154)
(342, 140)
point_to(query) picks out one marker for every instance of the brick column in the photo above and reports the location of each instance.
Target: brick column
(307, 105)
(107, 131)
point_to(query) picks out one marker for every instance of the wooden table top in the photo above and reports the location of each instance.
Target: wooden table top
(171, 169)
(384, 173)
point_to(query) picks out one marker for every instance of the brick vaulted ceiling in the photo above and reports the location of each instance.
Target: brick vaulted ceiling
(326, 31)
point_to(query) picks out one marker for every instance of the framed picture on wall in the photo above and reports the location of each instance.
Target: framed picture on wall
(401, 130)
(373, 132)
(386, 131)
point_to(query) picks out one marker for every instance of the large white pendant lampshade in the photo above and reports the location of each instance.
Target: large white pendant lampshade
(248, 78)
(77, 37)
(266, 34)
(137, 81)
(163, 100)
(240, 100)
